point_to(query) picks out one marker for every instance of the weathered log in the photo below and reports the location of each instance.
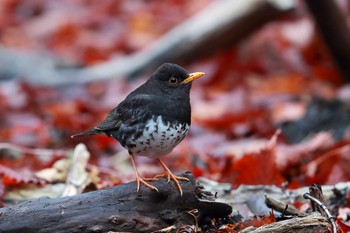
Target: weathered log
(219, 26)
(119, 209)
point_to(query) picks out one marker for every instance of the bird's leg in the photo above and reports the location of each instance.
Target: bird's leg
(139, 178)
(169, 175)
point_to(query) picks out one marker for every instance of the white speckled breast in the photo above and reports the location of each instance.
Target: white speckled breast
(158, 138)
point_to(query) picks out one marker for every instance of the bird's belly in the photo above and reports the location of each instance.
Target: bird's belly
(158, 138)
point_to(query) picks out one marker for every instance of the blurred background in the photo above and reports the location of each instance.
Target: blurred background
(269, 65)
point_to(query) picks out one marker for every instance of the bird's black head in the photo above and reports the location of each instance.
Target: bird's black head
(173, 80)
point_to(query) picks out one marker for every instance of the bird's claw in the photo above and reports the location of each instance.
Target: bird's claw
(176, 179)
(143, 181)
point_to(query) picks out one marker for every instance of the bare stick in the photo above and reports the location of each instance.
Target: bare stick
(334, 29)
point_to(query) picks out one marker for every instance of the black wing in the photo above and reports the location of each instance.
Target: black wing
(129, 112)
(131, 115)
(133, 110)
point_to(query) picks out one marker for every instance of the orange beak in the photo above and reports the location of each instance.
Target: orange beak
(193, 76)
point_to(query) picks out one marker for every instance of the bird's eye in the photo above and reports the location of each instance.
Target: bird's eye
(173, 80)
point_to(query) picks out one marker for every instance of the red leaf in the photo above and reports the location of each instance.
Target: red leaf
(11, 177)
(345, 227)
(256, 168)
(259, 221)
(330, 167)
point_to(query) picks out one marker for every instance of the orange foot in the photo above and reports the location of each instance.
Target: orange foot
(139, 179)
(170, 176)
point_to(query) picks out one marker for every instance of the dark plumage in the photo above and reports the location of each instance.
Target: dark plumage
(153, 118)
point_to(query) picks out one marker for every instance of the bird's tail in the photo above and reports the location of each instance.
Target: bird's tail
(85, 133)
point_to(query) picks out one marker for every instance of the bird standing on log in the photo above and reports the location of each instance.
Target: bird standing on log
(153, 119)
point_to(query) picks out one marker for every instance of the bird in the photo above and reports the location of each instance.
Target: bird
(153, 119)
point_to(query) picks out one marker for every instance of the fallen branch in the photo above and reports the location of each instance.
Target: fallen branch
(119, 209)
(281, 207)
(221, 25)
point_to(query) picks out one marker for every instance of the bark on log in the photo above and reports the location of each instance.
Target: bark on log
(119, 209)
